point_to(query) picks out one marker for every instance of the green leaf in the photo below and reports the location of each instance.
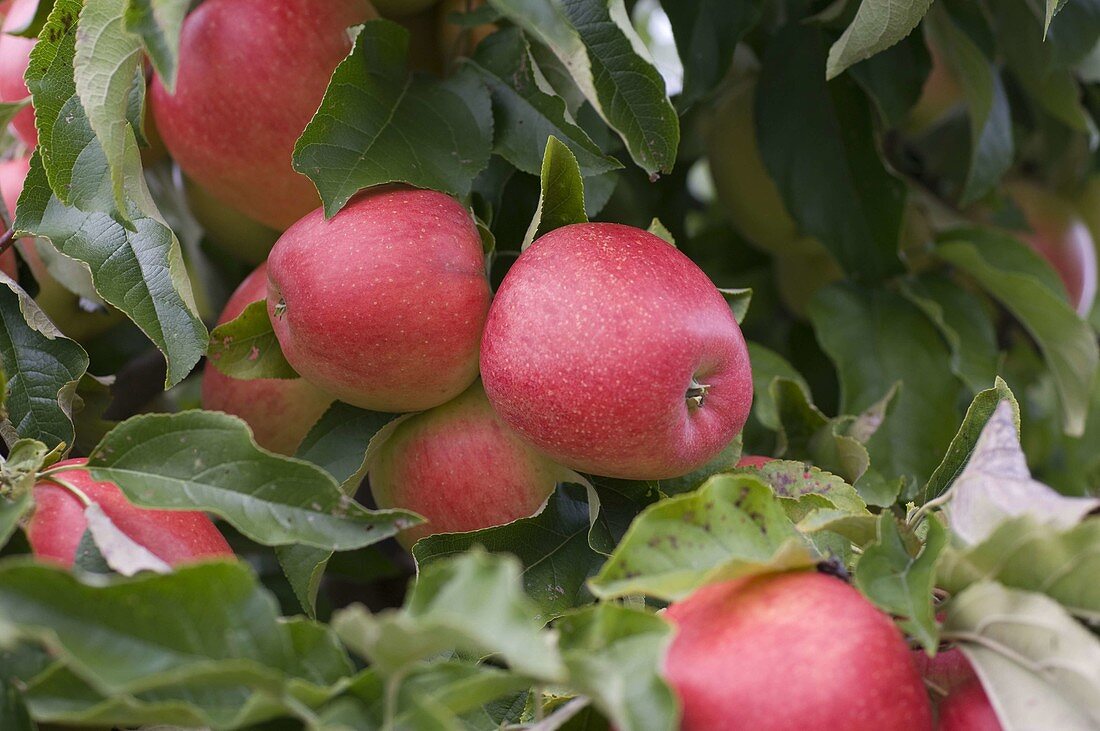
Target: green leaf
(106, 59)
(8, 110)
(42, 368)
(1039, 667)
(246, 347)
(552, 546)
(878, 25)
(140, 270)
(339, 443)
(614, 655)
(1020, 29)
(795, 480)
(13, 710)
(996, 485)
(907, 348)
(817, 142)
(379, 124)
(1004, 267)
(158, 23)
(659, 229)
(767, 365)
(991, 146)
(524, 115)
(895, 78)
(447, 610)
(964, 322)
(731, 526)
(707, 32)
(561, 199)
(203, 460)
(130, 635)
(901, 583)
(1022, 553)
(963, 444)
(805, 433)
(595, 42)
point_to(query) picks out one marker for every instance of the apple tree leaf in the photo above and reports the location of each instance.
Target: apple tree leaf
(203, 460)
(379, 124)
(996, 485)
(158, 23)
(901, 583)
(878, 25)
(1005, 268)
(706, 33)
(246, 346)
(447, 610)
(1039, 667)
(561, 199)
(732, 526)
(613, 655)
(525, 115)
(595, 42)
(41, 367)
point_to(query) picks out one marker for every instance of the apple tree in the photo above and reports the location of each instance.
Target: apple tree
(550, 364)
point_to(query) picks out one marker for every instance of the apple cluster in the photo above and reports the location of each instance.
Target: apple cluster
(604, 351)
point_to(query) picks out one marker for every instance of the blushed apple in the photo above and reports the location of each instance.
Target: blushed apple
(946, 671)
(251, 75)
(753, 460)
(230, 230)
(613, 353)
(60, 305)
(791, 651)
(1060, 236)
(280, 411)
(57, 523)
(383, 305)
(462, 468)
(968, 709)
(15, 55)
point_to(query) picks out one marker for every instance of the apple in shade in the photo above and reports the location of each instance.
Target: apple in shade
(280, 411)
(462, 468)
(1060, 236)
(60, 305)
(968, 709)
(753, 460)
(57, 523)
(15, 54)
(791, 651)
(383, 305)
(230, 231)
(946, 671)
(611, 352)
(251, 75)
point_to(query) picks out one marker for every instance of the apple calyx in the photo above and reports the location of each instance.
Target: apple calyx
(280, 308)
(696, 393)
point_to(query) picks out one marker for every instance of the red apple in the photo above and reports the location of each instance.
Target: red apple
(280, 411)
(753, 460)
(383, 305)
(15, 54)
(791, 651)
(968, 709)
(251, 75)
(462, 468)
(946, 671)
(57, 523)
(60, 305)
(1061, 237)
(614, 354)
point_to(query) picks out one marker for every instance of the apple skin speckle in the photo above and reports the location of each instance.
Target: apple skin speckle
(594, 339)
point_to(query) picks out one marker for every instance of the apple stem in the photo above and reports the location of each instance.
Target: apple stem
(76, 491)
(696, 393)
